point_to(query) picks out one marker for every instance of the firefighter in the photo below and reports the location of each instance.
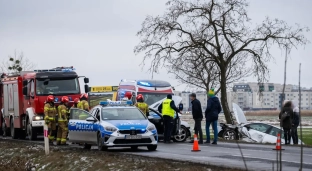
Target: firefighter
(84, 105)
(50, 113)
(62, 121)
(141, 104)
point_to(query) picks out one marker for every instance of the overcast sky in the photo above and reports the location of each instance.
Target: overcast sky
(97, 37)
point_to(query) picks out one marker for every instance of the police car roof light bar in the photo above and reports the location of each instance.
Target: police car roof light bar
(116, 103)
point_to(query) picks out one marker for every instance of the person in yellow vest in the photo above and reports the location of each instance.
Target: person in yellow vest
(141, 104)
(83, 105)
(50, 113)
(168, 109)
(62, 121)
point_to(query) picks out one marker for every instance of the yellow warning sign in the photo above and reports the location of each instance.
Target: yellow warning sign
(104, 88)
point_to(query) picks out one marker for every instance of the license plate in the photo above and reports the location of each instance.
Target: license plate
(133, 136)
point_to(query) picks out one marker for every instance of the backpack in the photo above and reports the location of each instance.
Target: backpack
(285, 115)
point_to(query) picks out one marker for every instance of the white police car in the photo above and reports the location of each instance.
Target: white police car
(112, 124)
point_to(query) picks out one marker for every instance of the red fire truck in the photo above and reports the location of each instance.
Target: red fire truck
(23, 96)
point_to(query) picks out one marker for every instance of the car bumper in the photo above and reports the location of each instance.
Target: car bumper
(118, 140)
(37, 123)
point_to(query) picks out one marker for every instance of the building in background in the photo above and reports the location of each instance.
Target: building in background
(248, 97)
(200, 95)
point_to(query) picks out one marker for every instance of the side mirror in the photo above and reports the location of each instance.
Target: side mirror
(25, 82)
(86, 87)
(91, 119)
(25, 91)
(86, 80)
(150, 117)
(180, 106)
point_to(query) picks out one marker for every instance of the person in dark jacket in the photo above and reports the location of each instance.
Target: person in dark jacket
(286, 122)
(197, 116)
(212, 113)
(295, 122)
(168, 109)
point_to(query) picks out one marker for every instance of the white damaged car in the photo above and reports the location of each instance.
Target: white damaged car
(250, 132)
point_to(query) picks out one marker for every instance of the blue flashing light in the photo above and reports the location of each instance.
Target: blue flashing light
(68, 69)
(129, 102)
(56, 99)
(70, 99)
(116, 103)
(144, 83)
(104, 103)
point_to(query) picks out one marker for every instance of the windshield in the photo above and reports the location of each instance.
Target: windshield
(122, 114)
(151, 98)
(57, 87)
(96, 98)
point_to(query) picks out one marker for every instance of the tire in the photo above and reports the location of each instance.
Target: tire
(31, 132)
(14, 131)
(229, 135)
(182, 136)
(87, 146)
(100, 145)
(134, 148)
(152, 147)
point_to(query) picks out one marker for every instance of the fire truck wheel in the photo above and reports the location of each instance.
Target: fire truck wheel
(32, 133)
(14, 131)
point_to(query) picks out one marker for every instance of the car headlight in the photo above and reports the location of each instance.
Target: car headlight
(151, 128)
(110, 129)
(37, 118)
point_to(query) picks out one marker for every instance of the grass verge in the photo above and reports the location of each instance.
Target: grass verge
(18, 156)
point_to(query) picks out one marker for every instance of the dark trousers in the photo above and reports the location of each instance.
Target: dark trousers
(294, 134)
(287, 135)
(198, 129)
(168, 125)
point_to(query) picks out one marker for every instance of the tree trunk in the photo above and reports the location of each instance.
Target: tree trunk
(224, 102)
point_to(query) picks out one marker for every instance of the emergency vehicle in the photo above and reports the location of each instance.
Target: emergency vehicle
(101, 93)
(152, 90)
(23, 96)
(112, 124)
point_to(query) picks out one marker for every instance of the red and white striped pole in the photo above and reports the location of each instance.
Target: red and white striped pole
(46, 139)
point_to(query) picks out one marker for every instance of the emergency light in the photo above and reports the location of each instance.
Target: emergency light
(115, 103)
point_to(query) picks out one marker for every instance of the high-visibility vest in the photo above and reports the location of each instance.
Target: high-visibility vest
(166, 108)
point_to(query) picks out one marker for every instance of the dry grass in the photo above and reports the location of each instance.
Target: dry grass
(274, 113)
(20, 156)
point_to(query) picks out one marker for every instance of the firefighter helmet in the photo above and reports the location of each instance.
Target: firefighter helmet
(50, 98)
(76, 100)
(128, 95)
(140, 97)
(64, 99)
(84, 95)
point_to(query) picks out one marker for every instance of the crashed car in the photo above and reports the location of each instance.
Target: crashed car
(256, 132)
(181, 130)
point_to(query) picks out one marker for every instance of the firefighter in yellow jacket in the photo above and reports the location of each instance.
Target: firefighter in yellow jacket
(50, 113)
(62, 121)
(141, 104)
(83, 105)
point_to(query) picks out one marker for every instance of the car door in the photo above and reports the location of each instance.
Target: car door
(257, 131)
(272, 135)
(157, 120)
(81, 130)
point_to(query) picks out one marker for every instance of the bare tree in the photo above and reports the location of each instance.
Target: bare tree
(17, 63)
(222, 29)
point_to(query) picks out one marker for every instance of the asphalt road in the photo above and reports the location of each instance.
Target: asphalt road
(257, 156)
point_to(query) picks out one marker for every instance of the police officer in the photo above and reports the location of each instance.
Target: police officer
(84, 105)
(62, 121)
(168, 109)
(50, 117)
(141, 104)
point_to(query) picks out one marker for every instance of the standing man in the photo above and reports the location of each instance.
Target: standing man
(212, 113)
(50, 117)
(167, 108)
(62, 121)
(197, 116)
(141, 104)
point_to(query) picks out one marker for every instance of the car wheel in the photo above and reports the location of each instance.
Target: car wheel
(87, 146)
(181, 136)
(100, 145)
(32, 132)
(152, 147)
(229, 135)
